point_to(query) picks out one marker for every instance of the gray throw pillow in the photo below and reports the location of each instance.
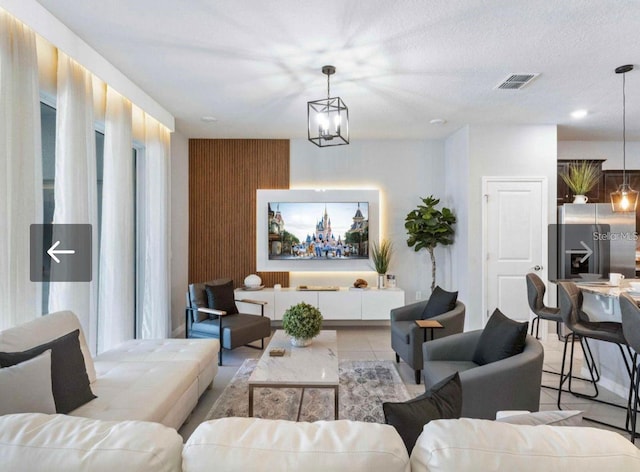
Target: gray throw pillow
(441, 402)
(69, 379)
(502, 337)
(222, 297)
(439, 302)
(26, 387)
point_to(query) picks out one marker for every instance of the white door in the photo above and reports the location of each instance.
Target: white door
(514, 242)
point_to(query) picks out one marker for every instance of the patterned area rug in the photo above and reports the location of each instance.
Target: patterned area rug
(364, 386)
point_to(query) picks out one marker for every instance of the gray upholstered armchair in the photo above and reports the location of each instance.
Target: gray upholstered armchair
(407, 337)
(508, 384)
(211, 312)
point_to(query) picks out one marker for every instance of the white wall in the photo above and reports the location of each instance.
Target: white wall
(179, 230)
(31, 13)
(403, 171)
(456, 175)
(492, 150)
(609, 150)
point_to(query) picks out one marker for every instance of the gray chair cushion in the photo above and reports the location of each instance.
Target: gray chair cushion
(237, 330)
(502, 337)
(436, 371)
(439, 302)
(197, 299)
(221, 297)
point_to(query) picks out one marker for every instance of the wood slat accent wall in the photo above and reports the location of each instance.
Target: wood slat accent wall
(224, 175)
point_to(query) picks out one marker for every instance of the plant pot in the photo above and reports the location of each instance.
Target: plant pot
(299, 342)
(580, 199)
(381, 278)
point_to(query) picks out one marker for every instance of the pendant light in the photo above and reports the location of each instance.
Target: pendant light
(328, 118)
(625, 198)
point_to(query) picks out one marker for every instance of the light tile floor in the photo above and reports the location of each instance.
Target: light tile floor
(367, 343)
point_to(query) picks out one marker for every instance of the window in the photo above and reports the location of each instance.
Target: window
(48, 123)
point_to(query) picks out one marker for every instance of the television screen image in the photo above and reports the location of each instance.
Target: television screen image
(320, 231)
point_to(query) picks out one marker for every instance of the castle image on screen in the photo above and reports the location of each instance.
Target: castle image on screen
(318, 231)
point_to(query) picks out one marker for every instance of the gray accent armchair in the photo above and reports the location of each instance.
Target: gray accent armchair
(407, 337)
(233, 330)
(508, 384)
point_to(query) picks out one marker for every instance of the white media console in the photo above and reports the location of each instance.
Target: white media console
(342, 304)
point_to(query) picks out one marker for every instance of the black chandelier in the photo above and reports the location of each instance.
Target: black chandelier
(625, 198)
(328, 118)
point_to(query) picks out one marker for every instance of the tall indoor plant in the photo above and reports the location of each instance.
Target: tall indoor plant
(429, 227)
(381, 255)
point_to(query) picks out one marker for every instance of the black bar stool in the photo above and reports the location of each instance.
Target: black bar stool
(535, 294)
(571, 309)
(631, 330)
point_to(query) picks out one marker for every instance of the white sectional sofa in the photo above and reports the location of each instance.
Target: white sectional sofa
(35, 442)
(148, 380)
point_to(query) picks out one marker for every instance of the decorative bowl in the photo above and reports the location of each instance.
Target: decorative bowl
(252, 280)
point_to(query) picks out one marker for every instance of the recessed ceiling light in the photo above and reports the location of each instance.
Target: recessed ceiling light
(438, 121)
(209, 119)
(579, 114)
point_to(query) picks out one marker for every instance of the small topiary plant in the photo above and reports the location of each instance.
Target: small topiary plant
(302, 321)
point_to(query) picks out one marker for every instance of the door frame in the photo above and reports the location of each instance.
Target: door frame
(486, 180)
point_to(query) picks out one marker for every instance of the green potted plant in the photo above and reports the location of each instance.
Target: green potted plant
(302, 322)
(381, 255)
(429, 227)
(581, 177)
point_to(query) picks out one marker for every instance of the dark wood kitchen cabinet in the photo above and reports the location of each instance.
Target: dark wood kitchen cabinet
(565, 195)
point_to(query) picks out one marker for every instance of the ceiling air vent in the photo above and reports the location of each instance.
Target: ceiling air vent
(516, 81)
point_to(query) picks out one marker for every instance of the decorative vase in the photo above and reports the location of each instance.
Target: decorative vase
(299, 342)
(580, 199)
(381, 278)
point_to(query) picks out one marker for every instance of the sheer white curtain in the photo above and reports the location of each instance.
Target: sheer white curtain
(20, 170)
(116, 302)
(76, 185)
(155, 244)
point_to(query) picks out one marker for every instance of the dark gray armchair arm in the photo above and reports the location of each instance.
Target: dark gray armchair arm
(409, 312)
(512, 383)
(508, 384)
(460, 347)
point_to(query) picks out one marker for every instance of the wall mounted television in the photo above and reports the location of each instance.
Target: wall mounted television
(309, 230)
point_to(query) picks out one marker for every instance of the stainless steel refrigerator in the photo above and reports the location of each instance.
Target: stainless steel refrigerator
(591, 238)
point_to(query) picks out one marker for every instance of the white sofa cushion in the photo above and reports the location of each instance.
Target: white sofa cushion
(466, 445)
(241, 444)
(45, 329)
(144, 391)
(204, 352)
(551, 418)
(35, 442)
(26, 387)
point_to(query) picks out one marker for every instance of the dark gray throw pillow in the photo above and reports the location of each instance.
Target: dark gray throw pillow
(222, 297)
(443, 401)
(502, 337)
(439, 302)
(69, 380)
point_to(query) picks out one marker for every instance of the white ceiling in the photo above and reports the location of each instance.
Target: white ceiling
(253, 64)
